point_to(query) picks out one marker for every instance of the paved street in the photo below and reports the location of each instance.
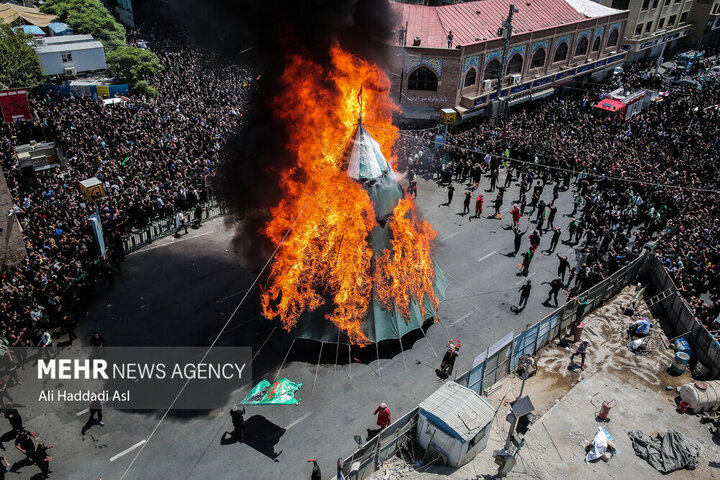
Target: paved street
(181, 292)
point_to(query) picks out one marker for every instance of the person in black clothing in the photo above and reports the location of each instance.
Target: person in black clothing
(5, 397)
(315, 474)
(69, 327)
(564, 264)
(496, 205)
(97, 340)
(26, 444)
(551, 215)
(524, 295)
(571, 276)
(555, 286)
(15, 419)
(493, 179)
(451, 192)
(4, 467)
(527, 258)
(466, 202)
(518, 237)
(534, 240)
(96, 409)
(238, 422)
(43, 459)
(540, 211)
(572, 226)
(198, 215)
(555, 239)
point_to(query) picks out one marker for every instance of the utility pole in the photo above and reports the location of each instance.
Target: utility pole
(506, 33)
(403, 44)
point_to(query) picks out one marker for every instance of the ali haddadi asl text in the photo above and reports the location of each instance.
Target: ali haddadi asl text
(84, 396)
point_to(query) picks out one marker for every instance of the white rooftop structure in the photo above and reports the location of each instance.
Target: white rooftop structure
(460, 411)
(591, 9)
(454, 422)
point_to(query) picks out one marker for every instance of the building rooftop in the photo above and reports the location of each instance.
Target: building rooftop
(474, 22)
(68, 47)
(457, 411)
(68, 39)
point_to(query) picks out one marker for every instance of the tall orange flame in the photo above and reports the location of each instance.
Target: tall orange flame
(326, 255)
(407, 272)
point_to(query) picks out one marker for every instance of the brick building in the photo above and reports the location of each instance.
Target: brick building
(554, 42)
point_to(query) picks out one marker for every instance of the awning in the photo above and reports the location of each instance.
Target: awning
(610, 105)
(10, 13)
(29, 29)
(543, 94)
(519, 100)
(466, 113)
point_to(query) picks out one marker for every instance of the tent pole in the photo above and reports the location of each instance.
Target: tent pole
(377, 352)
(350, 361)
(428, 340)
(337, 353)
(317, 367)
(283, 362)
(403, 352)
(446, 330)
(263, 344)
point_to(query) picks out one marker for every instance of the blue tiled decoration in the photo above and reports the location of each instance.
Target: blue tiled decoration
(472, 61)
(434, 64)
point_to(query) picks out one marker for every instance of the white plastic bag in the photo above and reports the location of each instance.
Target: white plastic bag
(599, 446)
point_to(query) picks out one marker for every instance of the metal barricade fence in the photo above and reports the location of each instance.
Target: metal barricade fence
(163, 227)
(506, 353)
(381, 447)
(706, 348)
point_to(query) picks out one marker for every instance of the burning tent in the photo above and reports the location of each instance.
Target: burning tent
(353, 261)
(384, 319)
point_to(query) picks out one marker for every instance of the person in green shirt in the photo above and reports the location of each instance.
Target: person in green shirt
(582, 305)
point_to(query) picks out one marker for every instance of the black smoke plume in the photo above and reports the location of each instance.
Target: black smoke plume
(263, 34)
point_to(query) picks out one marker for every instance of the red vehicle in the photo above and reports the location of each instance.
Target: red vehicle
(622, 105)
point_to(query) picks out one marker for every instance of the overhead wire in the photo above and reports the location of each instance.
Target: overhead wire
(237, 308)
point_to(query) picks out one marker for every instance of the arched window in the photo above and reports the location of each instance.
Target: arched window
(596, 45)
(423, 79)
(538, 59)
(582, 47)
(515, 64)
(470, 77)
(561, 52)
(492, 69)
(613, 38)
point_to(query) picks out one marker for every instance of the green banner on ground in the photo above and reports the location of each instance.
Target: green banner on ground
(282, 392)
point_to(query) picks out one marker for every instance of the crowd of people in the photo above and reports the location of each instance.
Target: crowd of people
(651, 180)
(154, 156)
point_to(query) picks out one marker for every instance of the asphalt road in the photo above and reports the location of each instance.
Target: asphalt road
(181, 292)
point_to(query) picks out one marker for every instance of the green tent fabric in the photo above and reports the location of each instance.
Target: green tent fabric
(282, 392)
(365, 159)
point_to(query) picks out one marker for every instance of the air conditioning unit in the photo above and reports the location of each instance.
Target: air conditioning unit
(487, 84)
(70, 71)
(515, 79)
